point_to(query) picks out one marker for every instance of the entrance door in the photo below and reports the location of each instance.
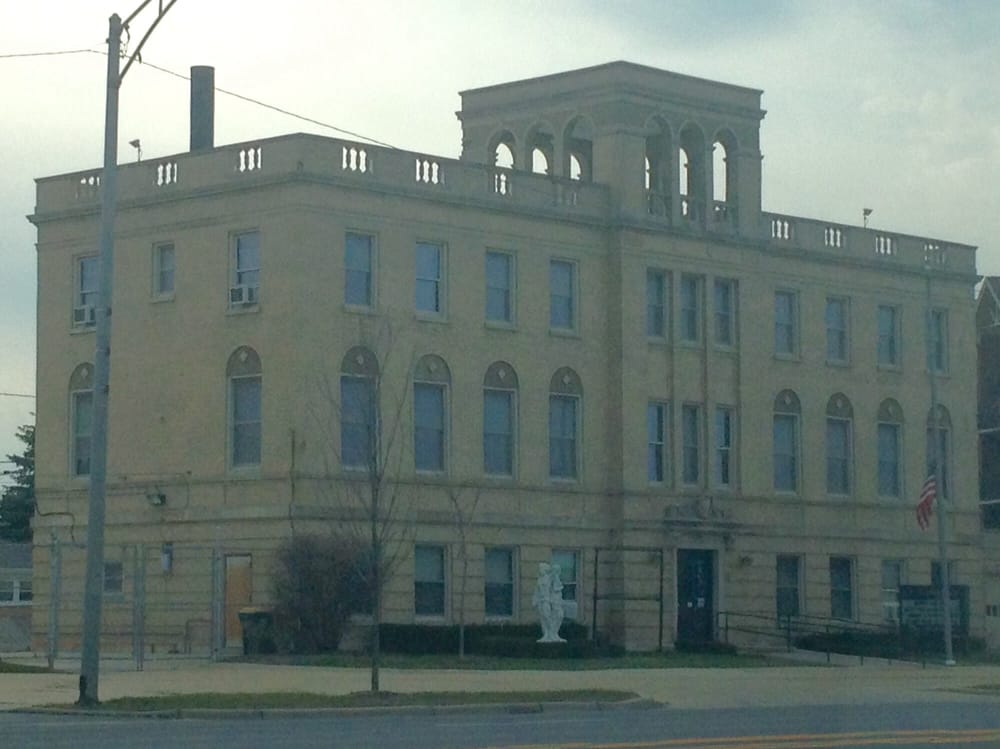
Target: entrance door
(695, 594)
(239, 594)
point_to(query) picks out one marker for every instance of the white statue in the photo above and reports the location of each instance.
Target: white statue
(548, 600)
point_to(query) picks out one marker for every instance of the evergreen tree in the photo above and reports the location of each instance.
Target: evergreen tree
(18, 502)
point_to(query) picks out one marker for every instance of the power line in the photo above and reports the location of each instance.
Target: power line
(17, 395)
(48, 54)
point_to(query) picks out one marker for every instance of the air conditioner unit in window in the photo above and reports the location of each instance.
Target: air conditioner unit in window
(242, 294)
(84, 315)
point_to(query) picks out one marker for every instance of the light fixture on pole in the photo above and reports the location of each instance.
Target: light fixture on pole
(137, 145)
(865, 213)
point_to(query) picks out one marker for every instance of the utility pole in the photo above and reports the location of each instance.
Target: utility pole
(93, 593)
(949, 658)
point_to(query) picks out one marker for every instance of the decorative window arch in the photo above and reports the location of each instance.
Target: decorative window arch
(565, 397)
(81, 418)
(890, 448)
(839, 444)
(359, 374)
(243, 375)
(787, 414)
(500, 387)
(431, 381)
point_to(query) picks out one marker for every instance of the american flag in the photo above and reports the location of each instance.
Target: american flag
(925, 507)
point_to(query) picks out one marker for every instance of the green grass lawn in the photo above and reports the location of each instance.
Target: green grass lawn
(489, 663)
(291, 700)
(14, 668)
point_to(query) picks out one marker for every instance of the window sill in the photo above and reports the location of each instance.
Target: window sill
(509, 327)
(564, 480)
(359, 309)
(431, 317)
(427, 474)
(787, 357)
(243, 309)
(500, 478)
(657, 340)
(161, 298)
(684, 343)
(889, 368)
(564, 332)
(82, 329)
(838, 363)
(244, 472)
(725, 348)
(430, 619)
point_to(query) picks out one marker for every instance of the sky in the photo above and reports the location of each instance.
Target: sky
(890, 105)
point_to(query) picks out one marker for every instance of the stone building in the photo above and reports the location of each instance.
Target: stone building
(587, 321)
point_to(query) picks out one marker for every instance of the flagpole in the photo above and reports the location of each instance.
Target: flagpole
(945, 583)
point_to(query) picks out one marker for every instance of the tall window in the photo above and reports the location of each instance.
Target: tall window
(725, 312)
(690, 309)
(359, 251)
(841, 587)
(786, 442)
(430, 278)
(890, 418)
(888, 336)
(656, 304)
(81, 403)
(428, 581)
(836, 330)
(892, 579)
(691, 436)
(785, 323)
(244, 375)
(499, 391)
(943, 427)
(499, 583)
(499, 287)
(937, 343)
(562, 292)
(788, 587)
(656, 442)
(430, 386)
(245, 277)
(565, 392)
(113, 578)
(163, 270)
(839, 416)
(568, 562)
(85, 298)
(358, 409)
(723, 447)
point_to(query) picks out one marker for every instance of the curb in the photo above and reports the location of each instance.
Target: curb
(203, 713)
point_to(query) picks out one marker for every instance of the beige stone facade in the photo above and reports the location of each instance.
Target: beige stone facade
(689, 379)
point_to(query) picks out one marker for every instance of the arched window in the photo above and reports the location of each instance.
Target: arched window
(243, 372)
(724, 195)
(943, 428)
(565, 394)
(359, 374)
(787, 412)
(691, 172)
(431, 379)
(839, 444)
(579, 149)
(81, 417)
(658, 167)
(540, 144)
(890, 452)
(503, 153)
(499, 419)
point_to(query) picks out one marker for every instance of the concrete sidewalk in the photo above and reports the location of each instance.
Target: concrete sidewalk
(682, 687)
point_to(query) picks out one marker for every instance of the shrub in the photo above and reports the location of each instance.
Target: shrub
(516, 640)
(318, 581)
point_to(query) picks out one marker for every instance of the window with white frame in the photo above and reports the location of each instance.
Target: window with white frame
(889, 447)
(562, 295)
(839, 419)
(892, 579)
(85, 297)
(429, 580)
(245, 277)
(691, 443)
(937, 343)
(657, 462)
(785, 451)
(888, 336)
(657, 318)
(499, 585)
(788, 588)
(499, 403)
(724, 431)
(786, 323)
(565, 393)
(569, 573)
(836, 330)
(841, 587)
(430, 405)
(430, 291)
(359, 372)
(359, 262)
(725, 312)
(244, 374)
(690, 308)
(499, 287)
(15, 591)
(163, 270)
(81, 405)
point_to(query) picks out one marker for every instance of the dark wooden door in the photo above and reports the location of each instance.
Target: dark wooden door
(695, 595)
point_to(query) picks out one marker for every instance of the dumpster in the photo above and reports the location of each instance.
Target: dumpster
(258, 631)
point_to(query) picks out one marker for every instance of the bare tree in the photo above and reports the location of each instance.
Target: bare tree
(362, 424)
(464, 509)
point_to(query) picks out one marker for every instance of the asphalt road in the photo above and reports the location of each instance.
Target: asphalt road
(929, 724)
